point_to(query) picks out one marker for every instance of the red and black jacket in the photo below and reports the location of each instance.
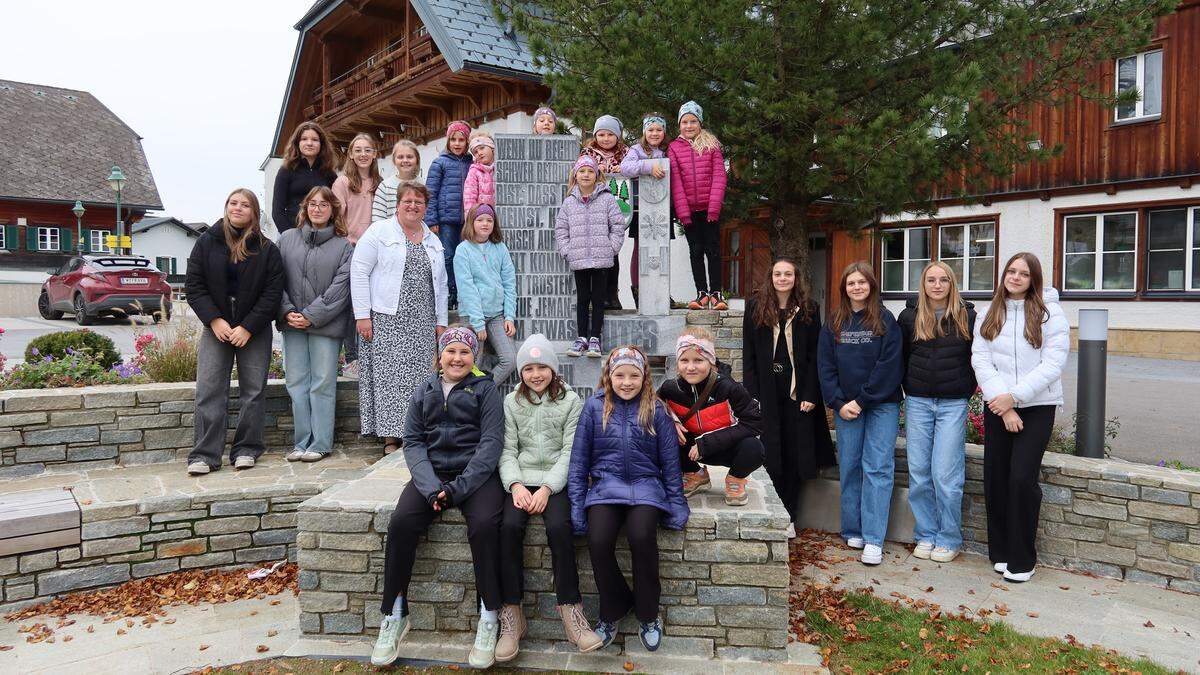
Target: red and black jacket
(727, 417)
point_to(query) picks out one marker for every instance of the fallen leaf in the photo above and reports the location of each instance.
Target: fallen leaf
(1032, 615)
(276, 602)
(91, 629)
(253, 612)
(68, 638)
(454, 666)
(203, 647)
(923, 633)
(628, 666)
(85, 502)
(1064, 588)
(5, 648)
(120, 631)
(262, 648)
(171, 620)
(929, 589)
(1148, 624)
(272, 633)
(339, 667)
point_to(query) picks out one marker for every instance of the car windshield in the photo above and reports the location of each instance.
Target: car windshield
(121, 264)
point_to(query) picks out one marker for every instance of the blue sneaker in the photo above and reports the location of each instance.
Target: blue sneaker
(651, 634)
(580, 346)
(593, 348)
(607, 632)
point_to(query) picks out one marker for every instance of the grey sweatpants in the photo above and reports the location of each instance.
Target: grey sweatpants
(503, 347)
(214, 363)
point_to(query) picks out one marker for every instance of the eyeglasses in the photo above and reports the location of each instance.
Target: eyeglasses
(319, 205)
(363, 151)
(412, 202)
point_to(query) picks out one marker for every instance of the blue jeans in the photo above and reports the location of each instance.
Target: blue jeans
(936, 433)
(450, 235)
(866, 448)
(310, 365)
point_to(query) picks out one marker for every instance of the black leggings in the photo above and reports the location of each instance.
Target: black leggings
(1011, 469)
(641, 527)
(412, 517)
(591, 287)
(742, 459)
(704, 241)
(557, 518)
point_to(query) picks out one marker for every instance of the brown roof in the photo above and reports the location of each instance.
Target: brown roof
(60, 144)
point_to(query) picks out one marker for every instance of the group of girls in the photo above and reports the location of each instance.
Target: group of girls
(932, 359)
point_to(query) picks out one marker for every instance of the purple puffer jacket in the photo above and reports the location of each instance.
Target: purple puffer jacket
(589, 232)
(619, 463)
(697, 181)
(637, 162)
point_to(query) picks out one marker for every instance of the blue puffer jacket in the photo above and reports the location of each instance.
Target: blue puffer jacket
(447, 175)
(622, 464)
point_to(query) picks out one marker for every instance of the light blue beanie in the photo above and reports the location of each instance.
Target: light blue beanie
(607, 123)
(693, 108)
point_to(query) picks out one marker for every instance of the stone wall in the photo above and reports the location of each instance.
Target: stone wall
(120, 424)
(724, 578)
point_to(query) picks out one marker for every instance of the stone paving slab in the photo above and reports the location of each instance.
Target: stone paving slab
(1095, 610)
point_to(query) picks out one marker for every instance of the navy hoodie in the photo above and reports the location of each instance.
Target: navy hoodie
(861, 366)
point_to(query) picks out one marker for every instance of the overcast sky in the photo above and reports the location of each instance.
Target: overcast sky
(201, 82)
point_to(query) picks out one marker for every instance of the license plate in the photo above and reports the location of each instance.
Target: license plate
(133, 281)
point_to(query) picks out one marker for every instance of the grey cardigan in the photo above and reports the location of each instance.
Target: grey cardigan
(316, 267)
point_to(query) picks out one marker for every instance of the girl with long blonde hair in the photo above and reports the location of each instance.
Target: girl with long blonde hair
(938, 382)
(698, 192)
(355, 188)
(407, 160)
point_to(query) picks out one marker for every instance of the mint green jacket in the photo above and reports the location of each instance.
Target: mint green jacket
(537, 440)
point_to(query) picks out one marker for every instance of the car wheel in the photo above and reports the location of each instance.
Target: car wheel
(44, 308)
(81, 316)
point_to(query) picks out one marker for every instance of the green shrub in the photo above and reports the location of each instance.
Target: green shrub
(74, 370)
(171, 356)
(1062, 437)
(57, 346)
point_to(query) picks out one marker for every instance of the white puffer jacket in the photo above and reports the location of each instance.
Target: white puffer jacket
(1009, 364)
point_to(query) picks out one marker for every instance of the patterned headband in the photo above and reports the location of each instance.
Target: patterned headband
(705, 347)
(653, 119)
(626, 356)
(458, 126)
(483, 142)
(485, 209)
(458, 334)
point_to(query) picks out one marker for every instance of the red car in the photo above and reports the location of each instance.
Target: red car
(91, 285)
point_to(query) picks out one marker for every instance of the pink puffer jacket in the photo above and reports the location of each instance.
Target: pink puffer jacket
(480, 186)
(697, 181)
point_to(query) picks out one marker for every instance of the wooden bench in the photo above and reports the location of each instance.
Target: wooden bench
(37, 520)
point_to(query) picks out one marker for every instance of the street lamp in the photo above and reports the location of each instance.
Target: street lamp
(78, 210)
(116, 181)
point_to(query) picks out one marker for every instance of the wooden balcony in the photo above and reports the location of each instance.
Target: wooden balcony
(400, 61)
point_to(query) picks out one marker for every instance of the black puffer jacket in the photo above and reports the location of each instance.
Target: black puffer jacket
(260, 281)
(941, 367)
(453, 442)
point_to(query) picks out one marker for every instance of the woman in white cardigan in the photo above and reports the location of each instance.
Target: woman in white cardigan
(398, 287)
(1021, 344)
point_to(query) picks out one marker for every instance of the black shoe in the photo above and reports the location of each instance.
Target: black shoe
(635, 296)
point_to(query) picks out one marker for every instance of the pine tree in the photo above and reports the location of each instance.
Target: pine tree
(864, 108)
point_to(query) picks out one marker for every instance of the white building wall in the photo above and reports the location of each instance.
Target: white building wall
(1028, 225)
(165, 240)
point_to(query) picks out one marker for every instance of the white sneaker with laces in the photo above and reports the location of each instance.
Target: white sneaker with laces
(483, 652)
(923, 549)
(387, 646)
(295, 455)
(580, 346)
(351, 370)
(872, 554)
(243, 462)
(1017, 577)
(943, 555)
(198, 469)
(1000, 568)
(855, 542)
(311, 456)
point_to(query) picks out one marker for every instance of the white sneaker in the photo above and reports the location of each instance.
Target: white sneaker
(311, 456)
(1018, 577)
(855, 542)
(198, 469)
(243, 462)
(943, 555)
(483, 652)
(923, 549)
(791, 531)
(872, 554)
(295, 455)
(1000, 568)
(387, 646)
(351, 370)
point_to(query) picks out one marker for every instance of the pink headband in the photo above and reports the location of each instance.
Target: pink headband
(585, 160)
(485, 209)
(626, 357)
(484, 142)
(458, 126)
(705, 347)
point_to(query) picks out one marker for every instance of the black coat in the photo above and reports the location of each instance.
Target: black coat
(941, 367)
(260, 282)
(812, 445)
(291, 187)
(747, 411)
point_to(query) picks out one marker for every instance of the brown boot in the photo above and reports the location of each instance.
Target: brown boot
(512, 629)
(695, 482)
(735, 491)
(579, 632)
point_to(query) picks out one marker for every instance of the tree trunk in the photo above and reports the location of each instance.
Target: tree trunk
(789, 235)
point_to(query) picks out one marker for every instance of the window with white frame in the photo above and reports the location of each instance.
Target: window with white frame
(1141, 73)
(47, 238)
(905, 253)
(1173, 250)
(970, 250)
(1100, 252)
(98, 241)
(3, 237)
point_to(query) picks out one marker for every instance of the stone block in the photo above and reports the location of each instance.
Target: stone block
(110, 399)
(1086, 507)
(80, 417)
(22, 419)
(176, 516)
(61, 581)
(263, 553)
(282, 536)
(425, 591)
(1176, 497)
(207, 560)
(273, 520)
(775, 576)
(158, 439)
(177, 549)
(1167, 512)
(36, 562)
(345, 623)
(310, 623)
(1057, 494)
(226, 525)
(727, 551)
(321, 601)
(159, 421)
(116, 436)
(330, 521)
(66, 555)
(751, 653)
(8, 566)
(92, 453)
(53, 453)
(226, 542)
(1098, 568)
(692, 616)
(114, 528)
(103, 547)
(42, 402)
(155, 567)
(731, 595)
(59, 435)
(177, 406)
(22, 592)
(350, 583)
(1106, 553)
(756, 637)
(10, 439)
(173, 392)
(354, 542)
(1188, 552)
(337, 561)
(1165, 568)
(1074, 532)
(238, 508)
(1141, 577)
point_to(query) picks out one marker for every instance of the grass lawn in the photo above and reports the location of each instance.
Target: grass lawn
(861, 633)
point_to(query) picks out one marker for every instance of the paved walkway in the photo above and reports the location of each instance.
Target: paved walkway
(1134, 619)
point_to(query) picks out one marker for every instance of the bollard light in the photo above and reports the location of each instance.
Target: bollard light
(1091, 382)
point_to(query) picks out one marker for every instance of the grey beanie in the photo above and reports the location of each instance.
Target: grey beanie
(608, 123)
(537, 349)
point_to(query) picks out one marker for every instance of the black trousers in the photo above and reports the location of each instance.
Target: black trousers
(1011, 467)
(412, 517)
(613, 283)
(557, 518)
(742, 459)
(591, 288)
(704, 241)
(641, 527)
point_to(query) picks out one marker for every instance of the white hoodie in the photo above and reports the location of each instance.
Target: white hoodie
(1009, 364)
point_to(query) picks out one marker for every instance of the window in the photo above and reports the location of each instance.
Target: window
(47, 239)
(3, 237)
(1141, 73)
(1100, 252)
(1173, 250)
(905, 253)
(98, 242)
(165, 264)
(969, 250)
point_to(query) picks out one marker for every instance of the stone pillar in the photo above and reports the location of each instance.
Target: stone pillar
(654, 243)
